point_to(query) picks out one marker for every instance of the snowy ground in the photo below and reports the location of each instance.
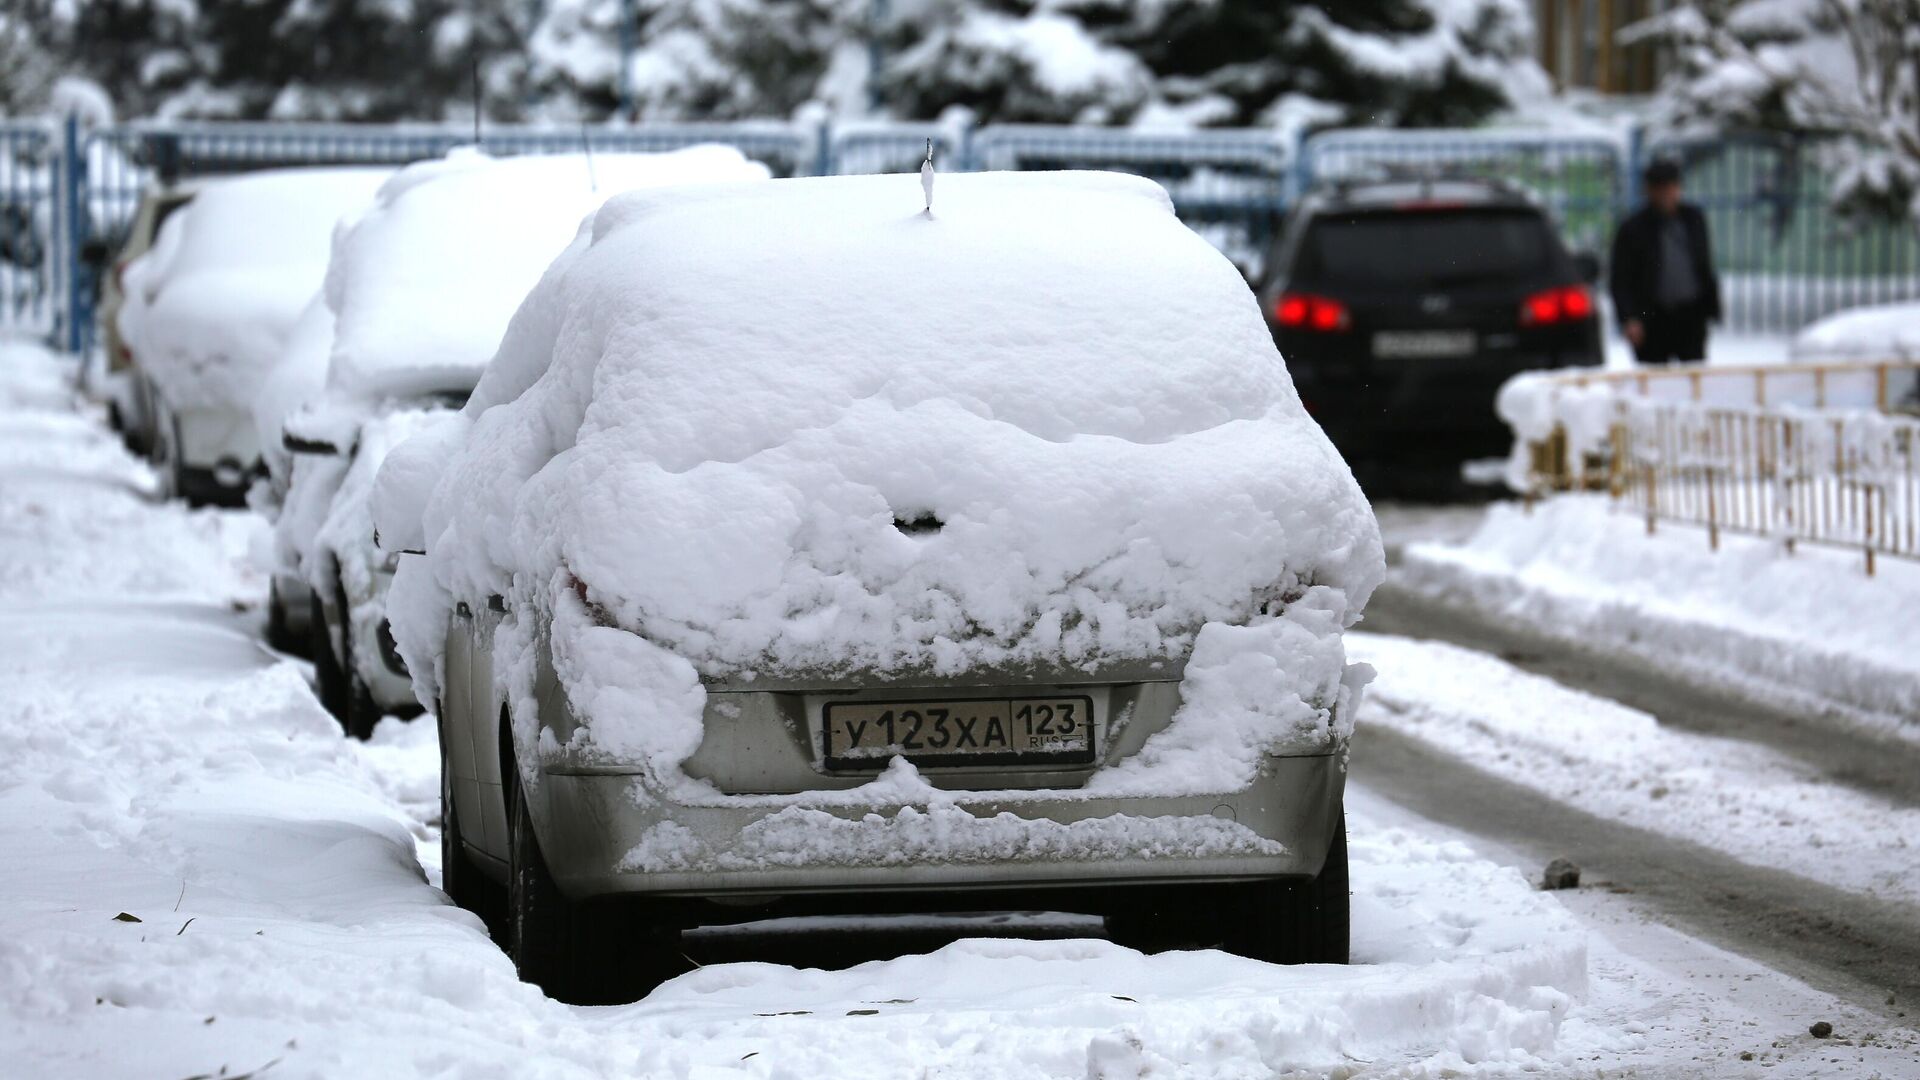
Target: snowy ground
(1810, 626)
(1619, 763)
(210, 879)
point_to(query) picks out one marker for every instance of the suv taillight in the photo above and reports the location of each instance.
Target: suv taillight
(1300, 311)
(1570, 303)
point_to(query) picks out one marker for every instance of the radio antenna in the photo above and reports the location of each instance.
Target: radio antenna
(475, 60)
(586, 145)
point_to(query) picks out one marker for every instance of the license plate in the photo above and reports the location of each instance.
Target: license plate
(1423, 344)
(970, 731)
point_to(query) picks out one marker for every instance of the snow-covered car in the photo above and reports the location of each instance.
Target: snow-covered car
(1872, 333)
(125, 389)
(800, 550)
(419, 291)
(207, 311)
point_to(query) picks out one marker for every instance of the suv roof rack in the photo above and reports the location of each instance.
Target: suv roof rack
(1390, 183)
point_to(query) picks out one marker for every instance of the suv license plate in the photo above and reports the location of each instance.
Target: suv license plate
(970, 731)
(1423, 344)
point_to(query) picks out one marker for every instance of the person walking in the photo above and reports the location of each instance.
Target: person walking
(1662, 280)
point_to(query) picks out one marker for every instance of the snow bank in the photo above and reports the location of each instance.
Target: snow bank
(1622, 765)
(801, 427)
(210, 306)
(1879, 332)
(1808, 627)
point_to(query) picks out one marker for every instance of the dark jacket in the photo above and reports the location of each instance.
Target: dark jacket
(1634, 270)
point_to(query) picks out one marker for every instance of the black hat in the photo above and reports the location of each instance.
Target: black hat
(1662, 171)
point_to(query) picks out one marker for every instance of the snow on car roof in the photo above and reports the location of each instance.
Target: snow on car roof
(210, 306)
(424, 282)
(755, 386)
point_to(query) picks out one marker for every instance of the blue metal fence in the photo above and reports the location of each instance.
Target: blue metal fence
(33, 214)
(887, 148)
(1786, 256)
(1583, 182)
(121, 163)
(1229, 186)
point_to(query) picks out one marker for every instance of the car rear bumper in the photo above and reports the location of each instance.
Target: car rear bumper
(616, 843)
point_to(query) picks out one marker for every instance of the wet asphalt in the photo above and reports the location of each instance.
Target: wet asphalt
(1863, 949)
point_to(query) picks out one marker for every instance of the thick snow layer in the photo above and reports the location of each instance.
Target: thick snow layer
(1880, 332)
(1622, 765)
(1810, 626)
(425, 281)
(210, 306)
(802, 426)
(418, 292)
(162, 765)
(298, 376)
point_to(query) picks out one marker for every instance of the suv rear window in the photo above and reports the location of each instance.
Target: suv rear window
(1425, 248)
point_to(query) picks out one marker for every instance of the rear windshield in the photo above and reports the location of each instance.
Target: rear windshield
(1426, 248)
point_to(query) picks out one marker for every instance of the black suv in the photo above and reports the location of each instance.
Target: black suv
(1402, 305)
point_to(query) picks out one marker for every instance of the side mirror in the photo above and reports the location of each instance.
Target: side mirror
(1587, 265)
(308, 444)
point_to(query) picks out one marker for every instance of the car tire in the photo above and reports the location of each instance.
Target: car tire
(279, 632)
(166, 459)
(460, 879)
(329, 681)
(581, 953)
(1300, 922)
(360, 713)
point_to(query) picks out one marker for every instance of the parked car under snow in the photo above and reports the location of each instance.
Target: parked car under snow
(208, 308)
(801, 551)
(418, 293)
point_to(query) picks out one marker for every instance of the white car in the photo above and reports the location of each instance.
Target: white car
(123, 387)
(805, 551)
(418, 294)
(208, 309)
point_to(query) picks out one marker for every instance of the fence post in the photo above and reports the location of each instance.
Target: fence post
(73, 178)
(1866, 491)
(1301, 170)
(823, 163)
(1635, 165)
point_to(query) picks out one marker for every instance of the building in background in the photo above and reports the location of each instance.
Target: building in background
(1578, 45)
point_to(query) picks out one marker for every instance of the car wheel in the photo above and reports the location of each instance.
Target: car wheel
(279, 632)
(463, 883)
(166, 458)
(328, 679)
(1297, 922)
(580, 953)
(361, 714)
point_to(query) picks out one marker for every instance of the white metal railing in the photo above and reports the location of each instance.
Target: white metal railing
(1817, 454)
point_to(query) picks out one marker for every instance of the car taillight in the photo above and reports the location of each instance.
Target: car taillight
(1570, 303)
(1300, 311)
